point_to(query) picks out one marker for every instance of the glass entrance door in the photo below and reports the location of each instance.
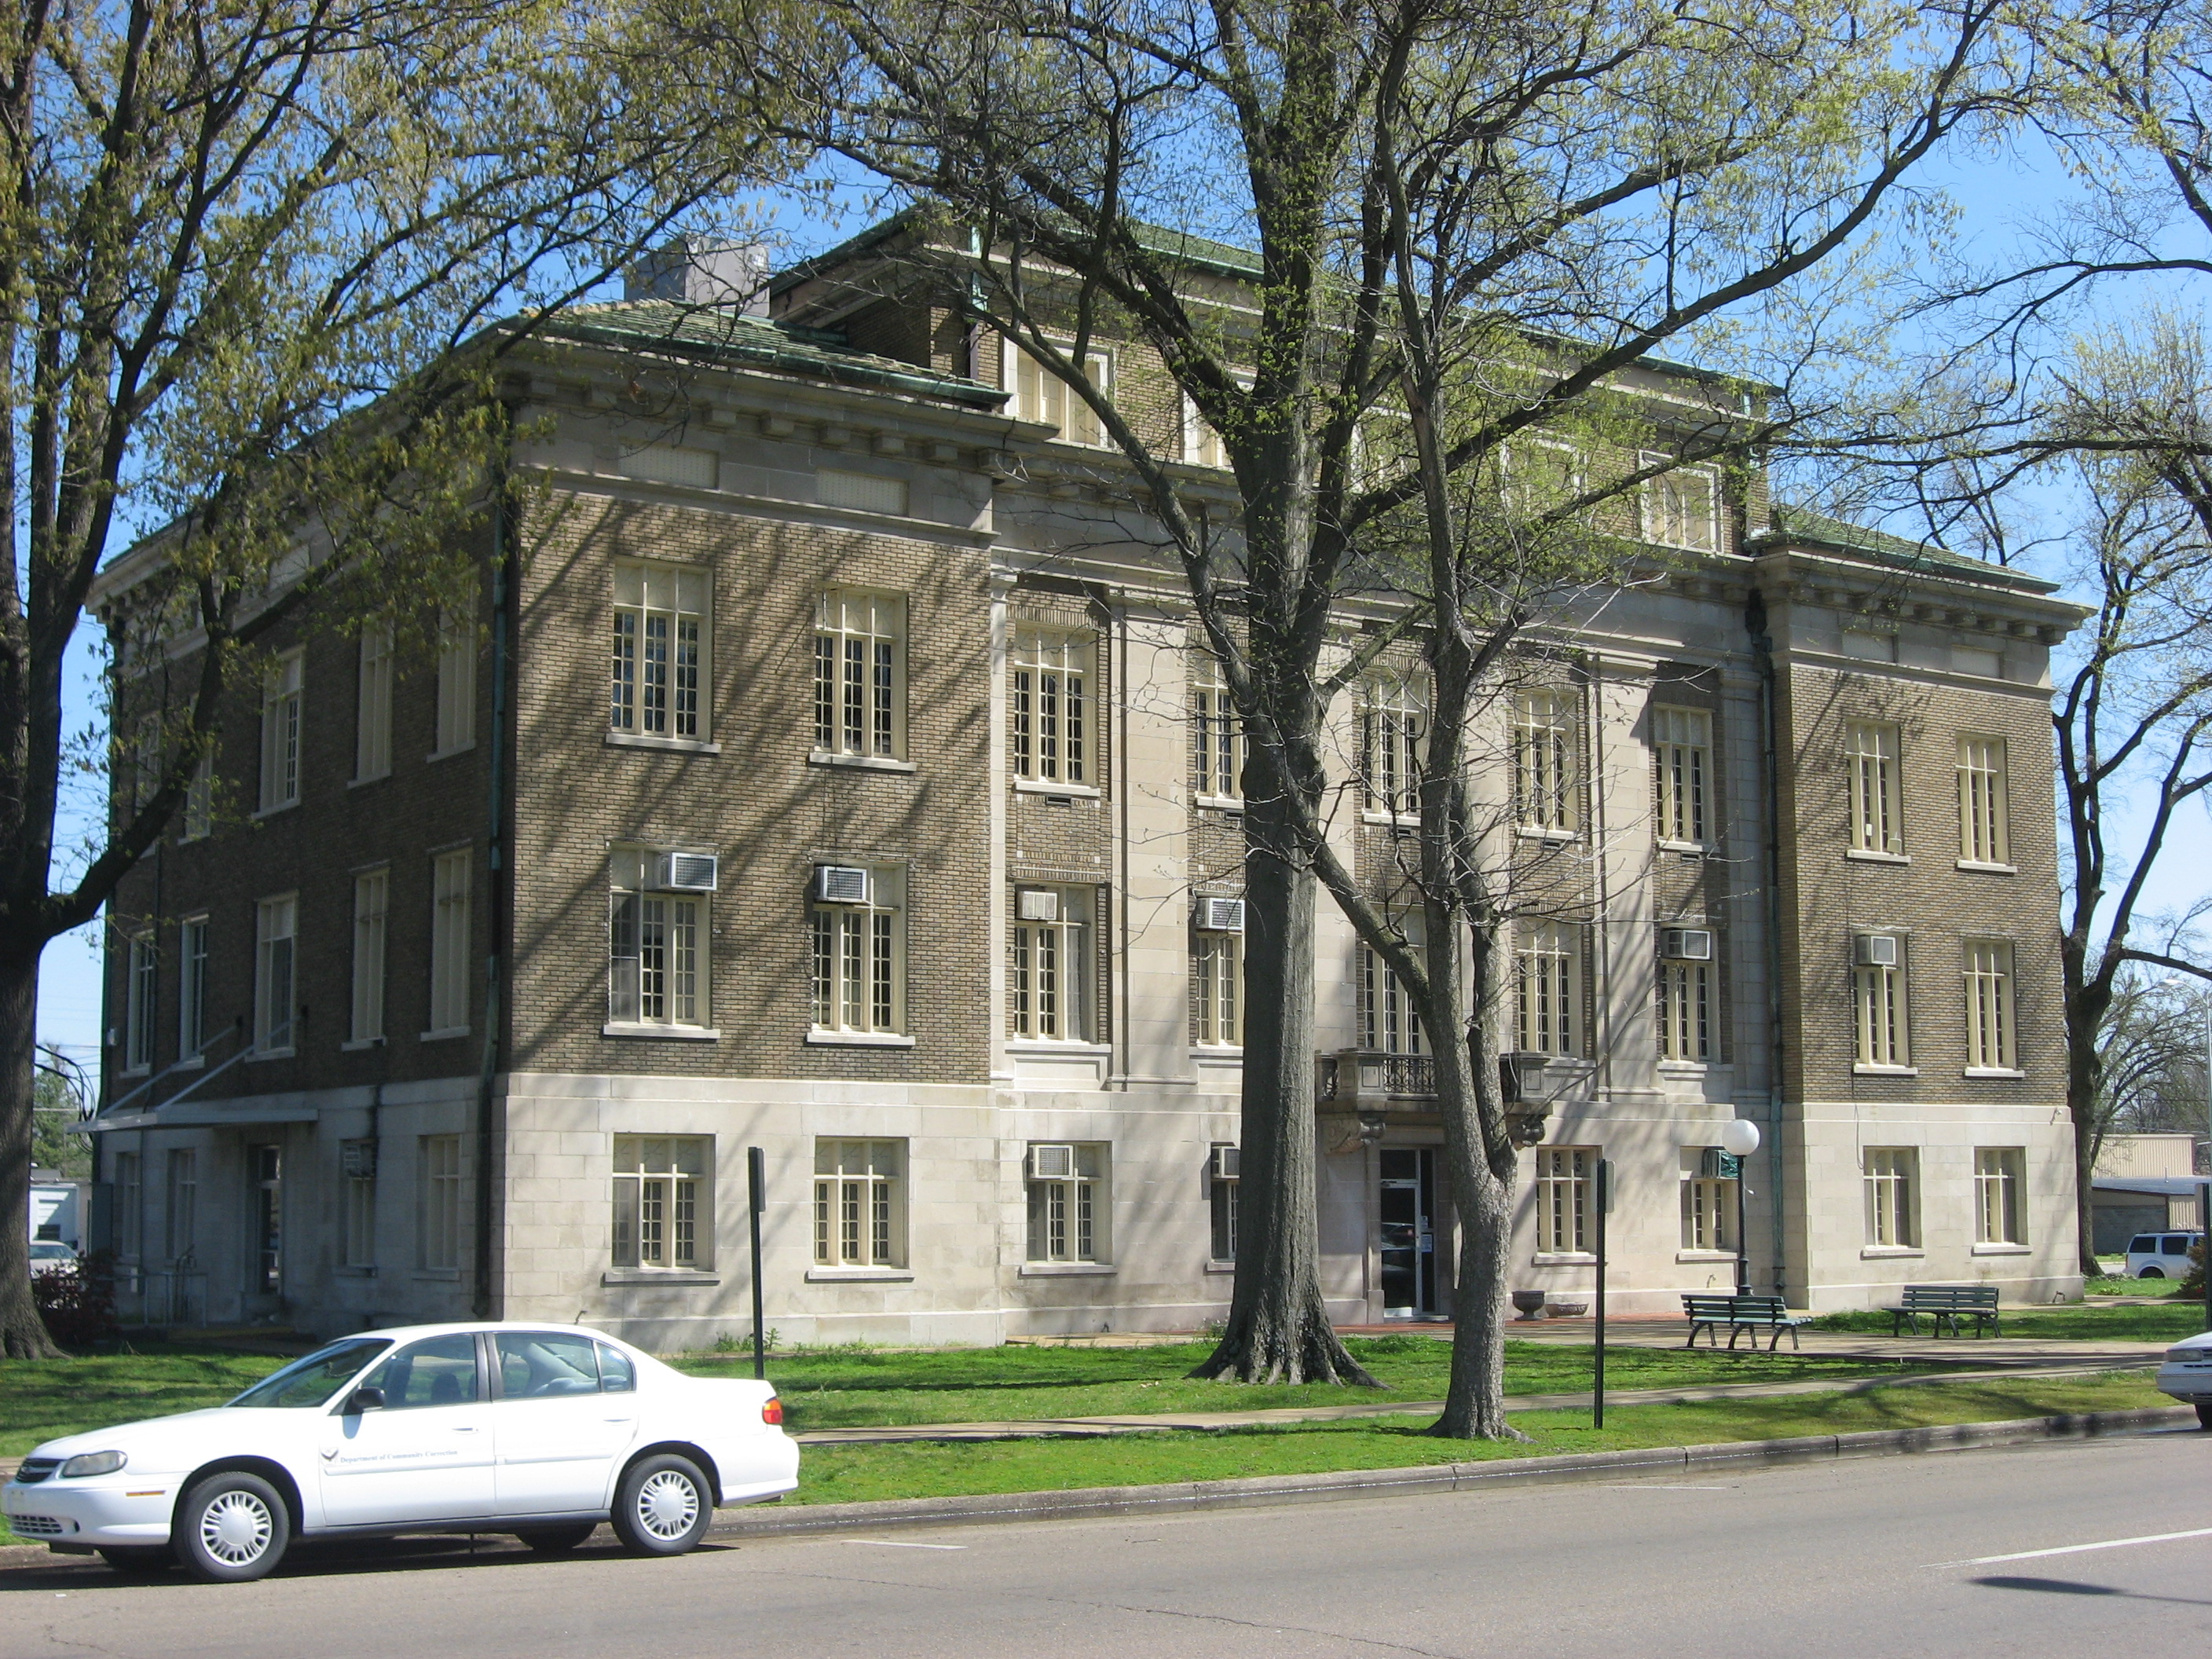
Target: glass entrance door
(265, 1169)
(1406, 1210)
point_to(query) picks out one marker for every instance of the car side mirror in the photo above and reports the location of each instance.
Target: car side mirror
(363, 1400)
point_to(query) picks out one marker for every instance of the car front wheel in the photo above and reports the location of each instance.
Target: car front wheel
(232, 1526)
(663, 1506)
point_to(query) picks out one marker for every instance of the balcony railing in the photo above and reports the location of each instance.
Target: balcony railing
(1356, 1072)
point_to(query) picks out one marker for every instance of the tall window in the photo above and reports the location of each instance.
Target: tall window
(1989, 1006)
(1893, 1197)
(1067, 1210)
(1685, 1016)
(1041, 395)
(1048, 964)
(142, 987)
(1544, 772)
(130, 1204)
(859, 675)
(1201, 444)
(1217, 756)
(1999, 1181)
(371, 892)
(372, 732)
(1682, 750)
(357, 1169)
(1982, 837)
(660, 651)
(199, 799)
(449, 942)
(860, 958)
(859, 1203)
(440, 1239)
(664, 1201)
(1388, 1022)
(276, 928)
(456, 683)
(1709, 1195)
(1222, 1183)
(1047, 710)
(1879, 1013)
(1218, 989)
(281, 691)
(1391, 746)
(656, 947)
(1680, 507)
(180, 1215)
(145, 760)
(1877, 816)
(1566, 1182)
(1545, 984)
(191, 986)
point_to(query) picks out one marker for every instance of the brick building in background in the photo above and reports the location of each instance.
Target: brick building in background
(860, 790)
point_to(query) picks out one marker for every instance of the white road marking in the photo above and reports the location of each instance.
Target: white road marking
(1661, 1486)
(2076, 1549)
(894, 1544)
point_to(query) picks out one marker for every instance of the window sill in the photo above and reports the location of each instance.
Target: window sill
(360, 1043)
(673, 1278)
(860, 762)
(197, 1063)
(859, 1275)
(441, 1035)
(1052, 1048)
(1883, 1252)
(1868, 855)
(1705, 1255)
(363, 783)
(448, 754)
(1697, 848)
(672, 745)
(1219, 803)
(135, 1071)
(437, 1275)
(2002, 1250)
(1391, 820)
(1564, 1259)
(285, 1052)
(1041, 787)
(1557, 837)
(1988, 869)
(353, 1273)
(858, 1040)
(1067, 1269)
(1885, 1070)
(1685, 1067)
(2000, 1072)
(272, 812)
(1218, 1051)
(618, 1028)
(1220, 1267)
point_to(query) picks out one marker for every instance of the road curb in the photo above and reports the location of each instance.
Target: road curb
(783, 1520)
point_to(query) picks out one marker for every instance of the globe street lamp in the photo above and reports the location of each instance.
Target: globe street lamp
(1739, 1140)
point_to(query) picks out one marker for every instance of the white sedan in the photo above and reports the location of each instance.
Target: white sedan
(542, 1430)
(2187, 1375)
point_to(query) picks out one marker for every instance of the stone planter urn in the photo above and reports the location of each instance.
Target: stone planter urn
(1528, 1305)
(1566, 1309)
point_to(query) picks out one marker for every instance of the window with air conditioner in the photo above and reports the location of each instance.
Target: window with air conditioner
(859, 675)
(1068, 1204)
(659, 667)
(1881, 1033)
(1709, 1182)
(859, 951)
(1048, 728)
(859, 1203)
(1049, 996)
(664, 1192)
(657, 936)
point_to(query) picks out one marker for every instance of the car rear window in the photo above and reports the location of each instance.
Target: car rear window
(313, 1381)
(2142, 1243)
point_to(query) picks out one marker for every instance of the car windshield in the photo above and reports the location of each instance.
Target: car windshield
(310, 1382)
(52, 1253)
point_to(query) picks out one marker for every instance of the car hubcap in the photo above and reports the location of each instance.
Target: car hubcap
(235, 1528)
(667, 1504)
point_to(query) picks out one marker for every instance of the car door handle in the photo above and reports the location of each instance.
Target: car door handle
(463, 1428)
(622, 1419)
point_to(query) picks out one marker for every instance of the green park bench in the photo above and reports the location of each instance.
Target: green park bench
(1740, 1314)
(1942, 1302)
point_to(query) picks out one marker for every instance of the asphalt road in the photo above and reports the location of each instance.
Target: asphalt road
(1863, 1559)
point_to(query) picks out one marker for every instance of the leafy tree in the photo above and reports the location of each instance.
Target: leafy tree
(240, 242)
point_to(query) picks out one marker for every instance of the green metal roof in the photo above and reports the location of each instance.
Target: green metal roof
(720, 335)
(1799, 525)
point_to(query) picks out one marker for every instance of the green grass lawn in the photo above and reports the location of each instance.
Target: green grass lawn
(839, 1474)
(40, 1398)
(855, 1388)
(2088, 1321)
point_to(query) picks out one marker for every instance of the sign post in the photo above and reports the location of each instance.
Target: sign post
(757, 1179)
(1604, 1204)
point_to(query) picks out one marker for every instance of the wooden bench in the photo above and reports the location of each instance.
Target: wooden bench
(1946, 1303)
(1740, 1314)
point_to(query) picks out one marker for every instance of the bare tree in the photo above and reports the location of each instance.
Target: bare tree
(241, 242)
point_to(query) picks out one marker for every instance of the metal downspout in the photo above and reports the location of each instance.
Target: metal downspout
(484, 1300)
(1762, 648)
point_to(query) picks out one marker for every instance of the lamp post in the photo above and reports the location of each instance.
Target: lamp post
(1739, 1140)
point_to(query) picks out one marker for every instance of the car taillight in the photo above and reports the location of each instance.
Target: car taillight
(771, 1410)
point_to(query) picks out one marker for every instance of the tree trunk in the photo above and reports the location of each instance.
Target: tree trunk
(23, 1334)
(2084, 1014)
(1278, 1329)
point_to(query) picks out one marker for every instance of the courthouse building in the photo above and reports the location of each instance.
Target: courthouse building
(838, 773)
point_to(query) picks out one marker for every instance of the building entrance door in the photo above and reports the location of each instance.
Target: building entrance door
(264, 1168)
(1407, 1214)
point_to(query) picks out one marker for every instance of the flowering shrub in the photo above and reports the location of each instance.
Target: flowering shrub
(78, 1302)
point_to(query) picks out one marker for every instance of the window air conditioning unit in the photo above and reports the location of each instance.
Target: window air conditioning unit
(1687, 944)
(840, 884)
(1221, 915)
(1037, 904)
(685, 873)
(1874, 951)
(1052, 1162)
(1227, 1160)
